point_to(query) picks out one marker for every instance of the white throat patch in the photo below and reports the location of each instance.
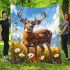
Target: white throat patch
(26, 30)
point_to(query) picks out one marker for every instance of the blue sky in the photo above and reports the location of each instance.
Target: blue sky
(34, 12)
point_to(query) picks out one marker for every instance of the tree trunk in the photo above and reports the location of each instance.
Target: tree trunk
(65, 6)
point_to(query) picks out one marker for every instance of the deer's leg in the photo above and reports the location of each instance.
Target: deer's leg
(27, 49)
(26, 43)
(50, 56)
(35, 47)
(42, 48)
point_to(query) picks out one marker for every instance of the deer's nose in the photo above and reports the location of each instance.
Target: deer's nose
(31, 26)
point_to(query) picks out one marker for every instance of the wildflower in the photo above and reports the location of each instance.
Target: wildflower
(31, 55)
(17, 50)
(21, 55)
(42, 57)
(56, 55)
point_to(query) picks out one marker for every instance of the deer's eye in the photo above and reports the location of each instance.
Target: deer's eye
(31, 25)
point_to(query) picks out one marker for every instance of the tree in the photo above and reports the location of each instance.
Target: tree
(5, 5)
(65, 6)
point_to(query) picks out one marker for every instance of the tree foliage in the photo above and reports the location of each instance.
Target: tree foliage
(5, 4)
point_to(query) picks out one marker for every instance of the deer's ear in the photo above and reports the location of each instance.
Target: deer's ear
(23, 20)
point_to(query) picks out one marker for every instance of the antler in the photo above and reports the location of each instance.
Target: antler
(19, 13)
(43, 14)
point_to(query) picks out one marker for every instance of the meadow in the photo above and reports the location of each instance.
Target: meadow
(33, 66)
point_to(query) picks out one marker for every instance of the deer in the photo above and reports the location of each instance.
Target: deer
(32, 39)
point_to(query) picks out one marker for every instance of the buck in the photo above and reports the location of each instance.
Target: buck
(32, 39)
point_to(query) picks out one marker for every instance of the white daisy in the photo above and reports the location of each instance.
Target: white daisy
(21, 55)
(17, 50)
(31, 55)
(56, 55)
(42, 57)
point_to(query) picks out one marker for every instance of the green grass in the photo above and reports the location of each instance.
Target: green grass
(34, 66)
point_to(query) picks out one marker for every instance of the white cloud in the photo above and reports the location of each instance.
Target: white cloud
(57, 9)
(54, 16)
(13, 9)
